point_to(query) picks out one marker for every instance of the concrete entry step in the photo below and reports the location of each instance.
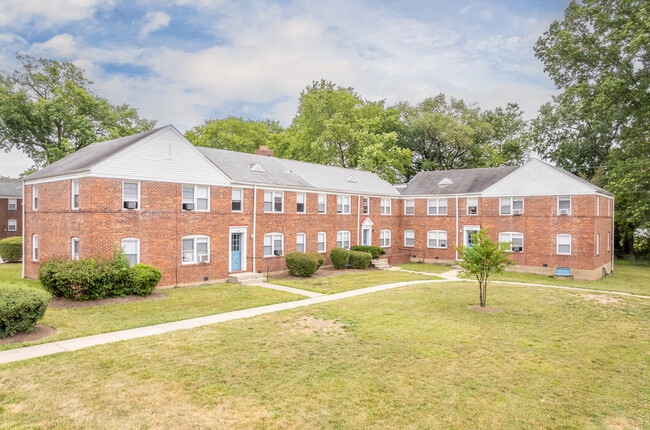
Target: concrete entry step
(245, 278)
(380, 263)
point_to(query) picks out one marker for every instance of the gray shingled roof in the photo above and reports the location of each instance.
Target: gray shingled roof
(11, 188)
(291, 173)
(90, 155)
(464, 181)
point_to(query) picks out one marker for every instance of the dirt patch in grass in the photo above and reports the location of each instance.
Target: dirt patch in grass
(39, 332)
(63, 303)
(602, 299)
(620, 423)
(309, 325)
(486, 309)
(327, 272)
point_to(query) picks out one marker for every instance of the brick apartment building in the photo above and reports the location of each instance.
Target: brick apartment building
(11, 208)
(199, 214)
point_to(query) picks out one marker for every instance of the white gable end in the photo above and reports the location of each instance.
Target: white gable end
(536, 178)
(165, 156)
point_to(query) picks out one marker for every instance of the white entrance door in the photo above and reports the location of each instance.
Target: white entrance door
(366, 236)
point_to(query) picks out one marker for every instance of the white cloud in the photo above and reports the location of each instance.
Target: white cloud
(62, 46)
(48, 13)
(154, 21)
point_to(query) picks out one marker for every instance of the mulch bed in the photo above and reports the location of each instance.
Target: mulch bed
(486, 309)
(39, 332)
(63, 303)
(324, 273)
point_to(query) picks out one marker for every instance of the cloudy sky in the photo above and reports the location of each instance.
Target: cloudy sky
(182, 61)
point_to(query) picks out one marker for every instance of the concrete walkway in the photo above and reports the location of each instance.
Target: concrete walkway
(288, 289)
(41, 350)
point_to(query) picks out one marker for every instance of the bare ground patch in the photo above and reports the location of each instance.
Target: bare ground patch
(486, 309)
(39, 332)
(63, 303)
(309, 325)
(603, 299)
(620, 423)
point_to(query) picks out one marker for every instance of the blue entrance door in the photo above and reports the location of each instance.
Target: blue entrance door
(235, 251)
(468, 236)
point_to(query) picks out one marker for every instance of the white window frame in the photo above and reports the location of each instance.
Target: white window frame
(34, 247)
(469, 205)
(609, 207)
(597, 244)
(365, 205)
(35, 197)
(509, 237)
(273, 195)
(406, 234)
(303, 243)
(195, 254)
(272, 237)
(322, 197)
(409, 204)
(341, 238)
(137, 247)
(319, 241)
(304, 203)
(386, 206)
(195, 197)
(512, 205)
(15, 225)
(384, 238)
(437, 205)
(12, 202)
(124, 200)
(341, 202)
(437, 234)
(232, 200)
(74, 255)
(557, 242)
(564, 198)
(74, 192)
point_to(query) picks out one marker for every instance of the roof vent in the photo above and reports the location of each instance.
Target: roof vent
(445, 182)
(255, 167)
(351, 179)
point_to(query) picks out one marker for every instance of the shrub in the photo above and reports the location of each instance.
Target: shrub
(144, 279)
(359, 260)
(20, 309)
(321, 260)
(302, 264)
(340, 257)
(375, 251)
(11, 249)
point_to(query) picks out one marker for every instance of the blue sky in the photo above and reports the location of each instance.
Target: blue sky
(183, 61)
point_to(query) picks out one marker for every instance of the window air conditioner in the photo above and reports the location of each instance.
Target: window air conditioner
(564, 212)
(204, 258)
(517, 211)
(188, 206)
(277, 252)
(517, 249)
(130, 205)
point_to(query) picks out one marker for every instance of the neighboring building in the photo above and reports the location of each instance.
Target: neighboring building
(11, 208)
(199, 214)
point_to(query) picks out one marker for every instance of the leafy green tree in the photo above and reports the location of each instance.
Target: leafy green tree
(483, 259)
(234, 134)
(48, 111)
(599, 57)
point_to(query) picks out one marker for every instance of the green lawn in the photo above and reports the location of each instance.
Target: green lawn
(12, 272)
(350, 281)
(423, 267)
(409, 358)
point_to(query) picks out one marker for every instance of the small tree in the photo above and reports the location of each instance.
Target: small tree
(483, 259)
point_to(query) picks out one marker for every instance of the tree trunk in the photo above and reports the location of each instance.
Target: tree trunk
(630, 244)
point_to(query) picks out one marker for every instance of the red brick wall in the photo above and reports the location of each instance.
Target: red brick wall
(6, 215)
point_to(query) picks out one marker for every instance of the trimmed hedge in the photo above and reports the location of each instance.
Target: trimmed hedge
(144, 279)
(303, 264)
(375, 251)
(359, 260)
(340, 257)
(11, 249)
(20, 309)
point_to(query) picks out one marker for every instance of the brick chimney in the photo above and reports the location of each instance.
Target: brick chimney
(264, 150)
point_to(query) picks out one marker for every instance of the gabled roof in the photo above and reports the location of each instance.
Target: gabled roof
(463, 181)
(11, 188)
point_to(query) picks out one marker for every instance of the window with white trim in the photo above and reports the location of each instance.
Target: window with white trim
(343, 239)
(511, 205)
(13, 204)
(322, 241)
(472, 206)
(131, 247)
(301, 203)
(195, 249)
(409, 238)
(130, 195)
(385, 206)
(35, 247)
(12, 225)
(74, 248)
(273, 244)
(342, 204)
(322, 203)
(365, 205)
(384, 239)
(564, 244)
(196, 198)
(597, 205)
(437, 239)
(514, 239)
(301, 238)
(75, 195)
(35, 197)
(437, 207)
(273, 201)
(564, 205)
(597, 243)
(409, 207)
(237, 200)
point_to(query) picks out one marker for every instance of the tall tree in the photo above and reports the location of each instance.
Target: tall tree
(48, 111)
(234, 134)
(599, 57)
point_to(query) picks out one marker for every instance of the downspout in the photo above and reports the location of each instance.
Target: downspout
(23, 222)
(455, 247)
(358, 217)
(611, 237)
(254, 223)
